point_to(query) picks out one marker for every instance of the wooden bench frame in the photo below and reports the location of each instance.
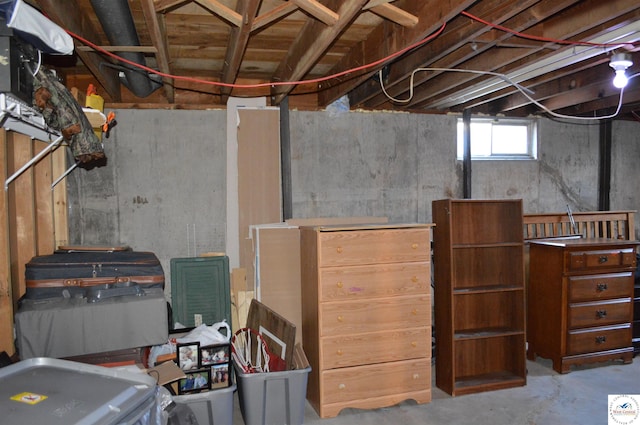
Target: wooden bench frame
(594, 224)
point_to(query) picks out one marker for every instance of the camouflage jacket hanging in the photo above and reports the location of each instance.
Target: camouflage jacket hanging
(63, 113)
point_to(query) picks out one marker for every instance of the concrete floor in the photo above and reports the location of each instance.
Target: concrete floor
(549, 398)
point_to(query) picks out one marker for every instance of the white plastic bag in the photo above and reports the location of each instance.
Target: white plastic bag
(158, 350)
(208, 335)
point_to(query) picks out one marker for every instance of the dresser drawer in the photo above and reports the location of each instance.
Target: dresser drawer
(598, 339)
(600, 313)
(365, 382)
(380, 280)
(358, 247)
(623, 257)
(378, 347)
(601, 286)
(384, 314)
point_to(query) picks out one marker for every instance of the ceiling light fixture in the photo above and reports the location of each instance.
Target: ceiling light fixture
(620, 62)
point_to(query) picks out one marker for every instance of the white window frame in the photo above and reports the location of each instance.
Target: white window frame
(530, 153)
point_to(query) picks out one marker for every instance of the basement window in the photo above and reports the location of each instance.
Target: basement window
(500, 139)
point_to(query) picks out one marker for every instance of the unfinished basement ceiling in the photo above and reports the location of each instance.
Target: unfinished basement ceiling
(313, 52)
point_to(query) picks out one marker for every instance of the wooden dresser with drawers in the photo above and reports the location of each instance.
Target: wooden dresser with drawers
(366, 314)
(580, 300)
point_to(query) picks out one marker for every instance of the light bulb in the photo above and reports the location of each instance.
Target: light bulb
(620, 80)
(620, 62)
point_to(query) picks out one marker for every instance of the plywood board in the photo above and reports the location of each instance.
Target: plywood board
(240, 299)
(277, 279)
(6, 303)
(60, 213)
(233, 207)
(259, 183)
(22, 233)
(43, 200)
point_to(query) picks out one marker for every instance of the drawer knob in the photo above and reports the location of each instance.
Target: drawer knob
(601, 339)
(416, 376)
(414, 312)
(414, 344)
(414, 246)
(339, 250)
(342, 386)
(603, 259)
(339, 285)
(601, 287)
(414, 279)
(340, 319)
(339, 352)
(600, 314)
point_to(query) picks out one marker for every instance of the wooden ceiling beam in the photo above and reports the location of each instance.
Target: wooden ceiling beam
(222, 11)
(238, 40)
(631, 96)
(136, 49)
(528, 21)
(67, 14)
(448, 50)
(374, 3)
(318, 11)
(312, 42)
(274, 15)
(568, 25)
(482, 60)
(157, 32)
(395, 14)
(554, 84)
(383, 42)
(161, 6)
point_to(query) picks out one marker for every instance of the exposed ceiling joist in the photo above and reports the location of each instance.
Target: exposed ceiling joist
(238, 39)
(221, 10)
(380, 44)
(163, 5)
(395, 14)
(274, 15)
(311, 44)
(318, 10)
(316, 51)
(157, 32)
(601, 30)
(447, 51)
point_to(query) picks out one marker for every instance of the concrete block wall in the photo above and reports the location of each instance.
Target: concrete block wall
(163, 189)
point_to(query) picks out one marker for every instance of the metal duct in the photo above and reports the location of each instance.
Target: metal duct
(117, 22)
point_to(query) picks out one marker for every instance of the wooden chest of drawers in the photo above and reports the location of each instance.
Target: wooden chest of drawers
(366, 314)
(580, 300)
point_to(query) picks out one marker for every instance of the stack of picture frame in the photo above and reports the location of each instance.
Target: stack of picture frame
(206, 367)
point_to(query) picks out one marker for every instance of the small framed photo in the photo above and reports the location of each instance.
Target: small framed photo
(195, 381)
(188, 356)
(214, 354)
(220, 377)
